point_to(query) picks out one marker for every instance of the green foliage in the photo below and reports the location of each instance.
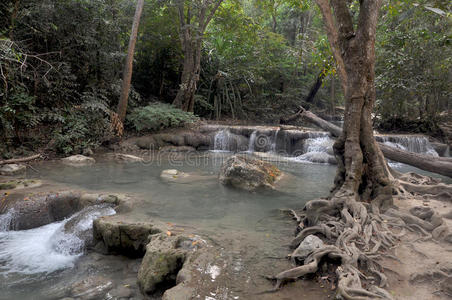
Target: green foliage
(159, 116)
(413, 65)
(18, 112)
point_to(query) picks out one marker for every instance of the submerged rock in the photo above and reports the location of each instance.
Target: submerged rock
(12, 169)
(126, 158)
(117, 235)
(78, 160)
(20, 184)
(248, 173)
(93, 287)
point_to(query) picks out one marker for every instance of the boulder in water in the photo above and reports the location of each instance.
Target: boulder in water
(78, 160)
(248, 173)
(170, 260)
(161, 263)
(12, 169)
(40, 210)
(117, 235)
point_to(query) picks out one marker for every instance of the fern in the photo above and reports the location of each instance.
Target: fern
(155, 117)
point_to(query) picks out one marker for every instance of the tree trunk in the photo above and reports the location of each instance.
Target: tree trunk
(362, 170)
(191, 36)
(127, 75)
(185, 98)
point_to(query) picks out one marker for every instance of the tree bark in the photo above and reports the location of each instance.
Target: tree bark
(362, 169)
(127, 75)
(191, 36)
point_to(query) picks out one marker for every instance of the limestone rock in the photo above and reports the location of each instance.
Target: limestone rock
(126, 158)
(20, 184)
(12, 169)
(78, 160)
(40, 210)
(309, 244)
(117, 235)
(251, 174)
(165, 256)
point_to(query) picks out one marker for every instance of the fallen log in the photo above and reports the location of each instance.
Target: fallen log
(19, 160)
(439, 165)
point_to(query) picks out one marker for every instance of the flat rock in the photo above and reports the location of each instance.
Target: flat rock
(93, 287)
(12, 169)
(20, 184)
(78, 160)
(118, 235)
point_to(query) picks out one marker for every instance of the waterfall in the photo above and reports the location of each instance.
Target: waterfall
(274, 140)
(50, 247)
(221, 140)
(447, 152)
(252, 141)
(5, 220)
(318, 150)
(416, 144)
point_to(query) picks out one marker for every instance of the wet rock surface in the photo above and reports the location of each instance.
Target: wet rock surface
(128, 158)
(118, 235)
(20, 184)
(248, 173)
(78, 160)
(12, 169)
(39, 210)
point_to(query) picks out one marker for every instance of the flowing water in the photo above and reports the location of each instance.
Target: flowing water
(247, 227)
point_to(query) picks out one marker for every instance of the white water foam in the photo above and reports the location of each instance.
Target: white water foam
(47, 248)
(316, 150)
(5, 220)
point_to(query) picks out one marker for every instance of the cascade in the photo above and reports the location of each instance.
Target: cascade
(252, 141)
(416, 144)
(50, 247)
(221, 140)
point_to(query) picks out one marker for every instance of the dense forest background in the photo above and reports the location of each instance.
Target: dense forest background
(61, 66)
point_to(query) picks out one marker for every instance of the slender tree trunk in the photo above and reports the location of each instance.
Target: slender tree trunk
(191, 36)
(127, 75)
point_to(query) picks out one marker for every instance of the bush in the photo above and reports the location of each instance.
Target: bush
(158, 116)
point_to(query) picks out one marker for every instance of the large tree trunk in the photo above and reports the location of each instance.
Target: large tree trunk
(127, 75)
(362, 169)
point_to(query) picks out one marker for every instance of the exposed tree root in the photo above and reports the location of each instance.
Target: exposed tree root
(357, 235)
